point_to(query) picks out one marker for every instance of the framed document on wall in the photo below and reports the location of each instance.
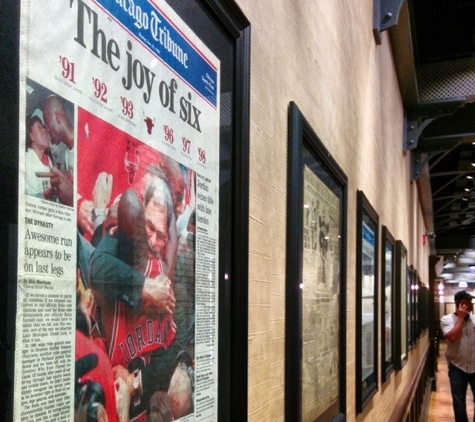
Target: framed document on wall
(387, 331)
(154, 157)
(410, 276)
(315, 357)
(366, 302)
(400, 306)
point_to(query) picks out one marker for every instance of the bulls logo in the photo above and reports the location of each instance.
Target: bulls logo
(150, 124)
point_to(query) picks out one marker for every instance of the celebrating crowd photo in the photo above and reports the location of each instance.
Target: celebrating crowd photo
(135, 284)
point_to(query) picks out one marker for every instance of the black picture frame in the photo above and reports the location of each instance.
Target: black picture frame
(410, 275)
(415, 286)
(400, 306)
(234, 199)
(424, 306)
(387, 294)
(367, 235)
(311, 164)
(417, 290)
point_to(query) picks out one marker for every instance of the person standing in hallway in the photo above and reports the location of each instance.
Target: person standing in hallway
(459, 330)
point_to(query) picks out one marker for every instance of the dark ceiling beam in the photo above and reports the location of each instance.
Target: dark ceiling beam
(455, 220)
(461, 123)
(439, 158)
(449, 251)
(458, 195)
(466, 213)
(444, 142)
(451, 173)
(444, 206)
(435, 109)
(403, 53)
(459, 137)
(434, 194)
(458, 229)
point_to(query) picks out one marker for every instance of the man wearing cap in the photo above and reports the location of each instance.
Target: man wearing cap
(61, 130)
(38, 163)
(459, 330)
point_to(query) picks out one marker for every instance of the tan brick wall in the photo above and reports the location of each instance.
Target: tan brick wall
(322, 55)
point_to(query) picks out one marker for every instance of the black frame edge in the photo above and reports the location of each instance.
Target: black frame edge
(299, 130)
(364, 396)
(386, 236)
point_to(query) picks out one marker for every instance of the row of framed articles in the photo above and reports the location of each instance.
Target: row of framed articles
(315, 374)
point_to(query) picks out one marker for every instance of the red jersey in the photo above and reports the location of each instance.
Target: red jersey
(134, 334)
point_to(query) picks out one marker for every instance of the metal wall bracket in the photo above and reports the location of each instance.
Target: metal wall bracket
(385, 15)
(414, 130)
(418, 162)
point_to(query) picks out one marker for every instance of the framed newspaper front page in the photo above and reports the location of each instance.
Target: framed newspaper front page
(387, 330)
(315, 279)
(414, 294)
(411, 295)
(367, 233)
(133, 206)
(400, 306)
